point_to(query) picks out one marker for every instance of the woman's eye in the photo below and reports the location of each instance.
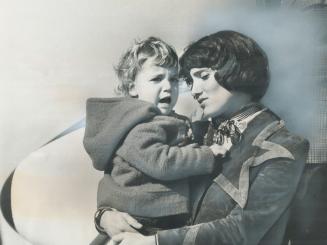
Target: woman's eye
(204, 76)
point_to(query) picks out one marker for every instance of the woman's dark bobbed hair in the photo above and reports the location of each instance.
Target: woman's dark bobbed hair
(240, 63)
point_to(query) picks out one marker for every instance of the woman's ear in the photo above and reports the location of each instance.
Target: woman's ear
(132, 91)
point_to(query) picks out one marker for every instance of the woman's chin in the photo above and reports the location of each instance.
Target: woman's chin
(209, 114)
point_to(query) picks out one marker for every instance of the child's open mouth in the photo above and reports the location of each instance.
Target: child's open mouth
(165, 100)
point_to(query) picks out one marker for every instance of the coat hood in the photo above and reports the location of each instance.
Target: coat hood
(108, 121)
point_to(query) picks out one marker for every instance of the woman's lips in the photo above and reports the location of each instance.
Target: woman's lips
(201, 101)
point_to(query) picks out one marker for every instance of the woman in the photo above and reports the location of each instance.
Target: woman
(248, 202)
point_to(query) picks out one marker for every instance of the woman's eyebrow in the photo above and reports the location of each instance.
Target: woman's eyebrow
(198, 73)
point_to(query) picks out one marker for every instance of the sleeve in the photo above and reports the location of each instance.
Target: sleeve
(269, 197)
(147, 148)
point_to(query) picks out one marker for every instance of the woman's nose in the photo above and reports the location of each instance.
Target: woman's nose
(197, 88)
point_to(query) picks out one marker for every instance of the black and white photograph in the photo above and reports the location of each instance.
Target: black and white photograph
(163, 122)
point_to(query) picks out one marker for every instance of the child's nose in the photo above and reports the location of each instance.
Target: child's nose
(166, 84)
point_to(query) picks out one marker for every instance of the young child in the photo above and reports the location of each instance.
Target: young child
(143, 147)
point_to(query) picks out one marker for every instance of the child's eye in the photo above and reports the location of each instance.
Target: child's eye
(157, 78)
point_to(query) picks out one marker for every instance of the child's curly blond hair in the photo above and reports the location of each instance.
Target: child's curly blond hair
(132, 60)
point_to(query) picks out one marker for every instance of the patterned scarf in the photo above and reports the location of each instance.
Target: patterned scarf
(219, 130)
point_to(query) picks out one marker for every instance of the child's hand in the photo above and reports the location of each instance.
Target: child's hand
(219, 150)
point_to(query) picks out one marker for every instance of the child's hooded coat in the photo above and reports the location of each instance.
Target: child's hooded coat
(142, 153)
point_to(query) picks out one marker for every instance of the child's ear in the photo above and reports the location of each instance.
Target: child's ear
(132, 91)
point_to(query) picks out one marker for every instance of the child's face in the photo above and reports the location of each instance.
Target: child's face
(157, 85)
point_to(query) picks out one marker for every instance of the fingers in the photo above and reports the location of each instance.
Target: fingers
(220, 150)
(124, 226)
(118, 238)
(131, 221)
(128, 228)
(117, 222)
(112, 242)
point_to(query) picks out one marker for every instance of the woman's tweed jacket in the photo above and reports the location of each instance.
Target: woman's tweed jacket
(248, 202)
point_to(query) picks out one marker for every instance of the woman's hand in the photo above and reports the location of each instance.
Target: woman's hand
(127, 238)
(115, 222)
